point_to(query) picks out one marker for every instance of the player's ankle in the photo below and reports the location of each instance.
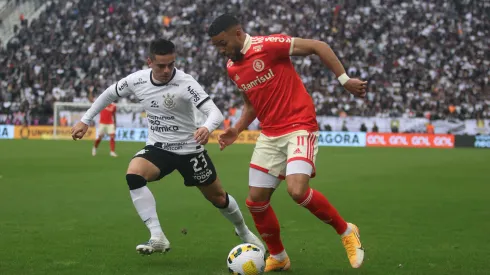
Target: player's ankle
(242, 229)
(157, 235)
(281, 256)
(347, 231)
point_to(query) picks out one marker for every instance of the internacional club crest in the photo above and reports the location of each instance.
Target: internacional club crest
(168, 101)
(258, 65)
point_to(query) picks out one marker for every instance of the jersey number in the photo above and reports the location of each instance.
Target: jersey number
(203, 163)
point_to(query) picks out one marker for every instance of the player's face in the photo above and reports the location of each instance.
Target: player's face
(162, 66)
(229, 44)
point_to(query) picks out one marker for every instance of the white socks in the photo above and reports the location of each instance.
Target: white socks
(281, 256)
(347, 231)
(234, 215)
(145, 205)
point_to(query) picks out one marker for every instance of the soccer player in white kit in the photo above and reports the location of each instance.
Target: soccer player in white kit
(169, 96)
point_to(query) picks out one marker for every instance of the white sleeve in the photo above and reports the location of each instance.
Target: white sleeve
(215, 117)
(120, 89)
(197, 94)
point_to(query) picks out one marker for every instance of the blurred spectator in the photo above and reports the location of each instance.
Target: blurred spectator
(421, 58)
(363, 127)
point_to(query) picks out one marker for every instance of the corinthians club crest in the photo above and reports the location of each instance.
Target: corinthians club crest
(168, 101)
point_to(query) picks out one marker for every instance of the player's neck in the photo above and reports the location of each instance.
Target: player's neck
(156, 81)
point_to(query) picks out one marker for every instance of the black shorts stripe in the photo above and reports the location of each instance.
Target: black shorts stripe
(116, 90)
(202, 102)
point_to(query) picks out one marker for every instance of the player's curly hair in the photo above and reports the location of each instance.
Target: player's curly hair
(222, 23)
(161, 47)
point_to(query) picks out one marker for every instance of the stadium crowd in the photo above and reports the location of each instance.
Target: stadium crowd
(421, 58)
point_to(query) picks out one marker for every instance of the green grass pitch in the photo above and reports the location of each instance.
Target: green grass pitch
(420, 211)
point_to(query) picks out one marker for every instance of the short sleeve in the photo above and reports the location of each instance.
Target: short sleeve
(280, 46)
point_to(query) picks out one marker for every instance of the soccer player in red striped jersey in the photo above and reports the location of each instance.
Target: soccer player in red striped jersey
(287, 147)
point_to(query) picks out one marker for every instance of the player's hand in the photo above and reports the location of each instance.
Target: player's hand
(227, 138)
(356, 87)
(79, 130)
(202, 135)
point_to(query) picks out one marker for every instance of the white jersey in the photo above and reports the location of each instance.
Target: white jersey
(169, 106)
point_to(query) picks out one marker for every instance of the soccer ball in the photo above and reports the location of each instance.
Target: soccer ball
(246, 259)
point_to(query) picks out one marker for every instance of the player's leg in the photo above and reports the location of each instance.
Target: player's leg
(112, 134)
(302, 151)
(268, 161)
(198, 170)
(229, 208)
(262, 186)
(145, 167)
(102, 131)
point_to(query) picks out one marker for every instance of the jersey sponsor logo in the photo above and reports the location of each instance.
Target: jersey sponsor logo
(152, 117)
(173, 146)
(278, 39)
(194, 94)
(258, 80)
(257, 39)
(258, 65)
(257, 48)
(164, 128)
(154, 104)
(203, 176)
(141, 152)
(157, 126)
(123, 86)
(168, 101)
(140, 82)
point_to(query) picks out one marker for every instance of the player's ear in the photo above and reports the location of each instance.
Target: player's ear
(148, 60)
(238, 31)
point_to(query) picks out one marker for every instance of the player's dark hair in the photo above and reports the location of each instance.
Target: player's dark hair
(161, 47)
(222, 23)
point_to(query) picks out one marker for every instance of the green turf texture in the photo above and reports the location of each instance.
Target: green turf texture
(420, 211)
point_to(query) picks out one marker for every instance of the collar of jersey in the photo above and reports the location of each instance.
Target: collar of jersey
(162, 84)
(246, 44)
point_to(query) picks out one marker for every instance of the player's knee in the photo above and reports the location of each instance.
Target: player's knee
(297, 191)
(135, 181)
(257, 194)
(219, 200)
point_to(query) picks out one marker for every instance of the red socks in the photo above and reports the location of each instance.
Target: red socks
(323, 210)
(267, 224)
(113, 143)
(97, 142)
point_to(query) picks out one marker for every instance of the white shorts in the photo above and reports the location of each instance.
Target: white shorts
(107, 129)
(272, 154)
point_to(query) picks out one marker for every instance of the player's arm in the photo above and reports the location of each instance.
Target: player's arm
(204, 104)
(213, 121)
(119, 89)
(247, 117)
(114, 117)
(91, 94)
(305, 47)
